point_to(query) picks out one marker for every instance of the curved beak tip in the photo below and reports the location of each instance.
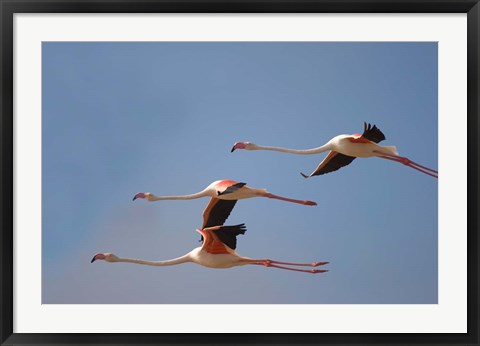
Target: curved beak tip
(233, 149)
(134, 198)
(93, 259)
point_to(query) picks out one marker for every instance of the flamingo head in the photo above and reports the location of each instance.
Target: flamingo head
(243, 145)
(108, 257)
(143, 195)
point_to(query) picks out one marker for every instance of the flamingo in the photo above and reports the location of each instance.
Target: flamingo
(344, 149)
(225, 190)
(218, 248)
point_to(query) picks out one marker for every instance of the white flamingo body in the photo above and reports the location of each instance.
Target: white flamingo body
(215, 189)
(343, 144)
(225, 260)
(218, 248)
(343, 149)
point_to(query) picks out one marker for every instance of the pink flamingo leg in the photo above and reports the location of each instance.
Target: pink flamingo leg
(274, 264)
(409, 163)
(418, 169)
(311, 271)
(314, 264)
(270, 195)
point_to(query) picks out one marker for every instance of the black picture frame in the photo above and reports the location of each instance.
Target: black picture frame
(10, 7)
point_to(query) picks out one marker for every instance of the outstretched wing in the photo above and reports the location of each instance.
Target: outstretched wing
(217, 211)
(332, 162)
(218, 238)
(372, 133)
(231, 189)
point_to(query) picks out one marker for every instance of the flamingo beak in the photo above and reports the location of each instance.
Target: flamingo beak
(238, 145)
(98, 256)
(235, 146)
(139, 195)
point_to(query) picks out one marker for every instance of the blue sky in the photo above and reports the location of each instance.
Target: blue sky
(120, 118)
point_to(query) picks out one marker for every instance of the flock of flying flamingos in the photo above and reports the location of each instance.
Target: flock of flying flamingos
(220, 242)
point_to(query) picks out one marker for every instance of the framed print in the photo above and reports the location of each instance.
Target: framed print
(325, 154)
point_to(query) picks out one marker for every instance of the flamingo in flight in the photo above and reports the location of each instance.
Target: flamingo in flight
(218, 248)
(224, 190)
(344, 149)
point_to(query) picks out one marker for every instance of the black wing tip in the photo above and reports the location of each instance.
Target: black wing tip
(240, 227)
(228, 234)
(336, 163)
(372, 133)
(235, 229)
(368, 127)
